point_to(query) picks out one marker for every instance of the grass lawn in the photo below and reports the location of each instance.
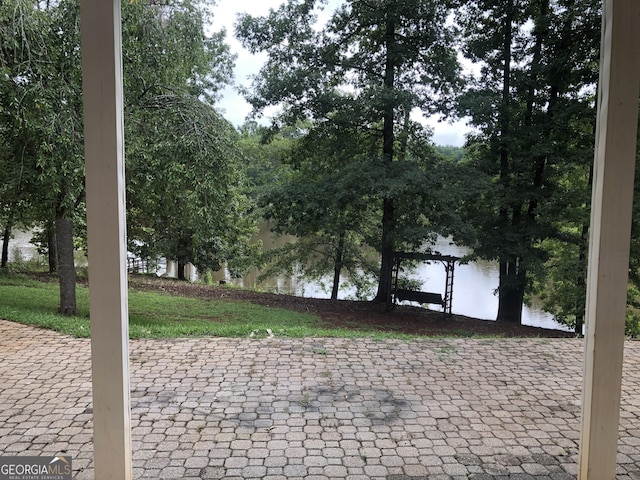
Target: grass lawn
(156, 315)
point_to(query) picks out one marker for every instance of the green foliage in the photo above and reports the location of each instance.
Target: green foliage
(633, 293)
(21, 264)
(405, 283)
(61, 160)
(185, 185)
(165, 50)
(564, 291)
(451, 153)
(356, 80)
(22, 44)
(363, 286)
(338, 68)
(632, 325)
(185, 181)
(532, 103)
(561, 293)
(207, 278)
(267, 155)
(322, 202)
(632, 320)
(43, 85)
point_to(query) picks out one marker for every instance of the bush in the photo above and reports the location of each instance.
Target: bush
(632, 320)
(19, 263)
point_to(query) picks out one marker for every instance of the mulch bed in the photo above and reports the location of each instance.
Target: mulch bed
(353, 314)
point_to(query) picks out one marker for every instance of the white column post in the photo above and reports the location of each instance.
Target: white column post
(104, 152)
(614, 165)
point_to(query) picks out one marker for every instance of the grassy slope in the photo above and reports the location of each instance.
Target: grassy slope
(154, 315)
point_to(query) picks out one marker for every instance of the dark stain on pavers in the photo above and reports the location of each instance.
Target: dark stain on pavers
(468, 459)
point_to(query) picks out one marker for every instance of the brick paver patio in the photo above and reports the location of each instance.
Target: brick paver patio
(218, 408)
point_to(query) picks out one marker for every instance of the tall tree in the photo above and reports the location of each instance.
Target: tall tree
(368, 68)
(187, 192)
(531, 102)
(61, 163)
(22, 47)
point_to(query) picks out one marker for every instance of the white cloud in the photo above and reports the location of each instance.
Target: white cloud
(448, 133)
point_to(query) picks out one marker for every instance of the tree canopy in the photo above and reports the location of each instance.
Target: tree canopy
(185, 178)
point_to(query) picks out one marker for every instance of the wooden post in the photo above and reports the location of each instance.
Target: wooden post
(610, 237)
(104, 151)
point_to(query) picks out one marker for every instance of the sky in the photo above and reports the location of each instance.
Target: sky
(236, 109)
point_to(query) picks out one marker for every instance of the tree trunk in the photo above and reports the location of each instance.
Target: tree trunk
(505, 114)
(540, 161)
(505, 119)
(388, 222)
(581, 282)
(67, 269)
(508, 308)
(581, 301)
(385, 282)
(510, 305)
(511, 292)
(5, 246)
(181, 270)
(52, 248)
(337, 267)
